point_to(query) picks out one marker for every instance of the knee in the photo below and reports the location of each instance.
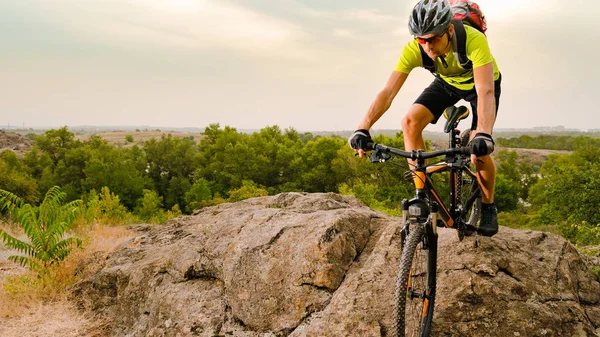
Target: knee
(412, 125)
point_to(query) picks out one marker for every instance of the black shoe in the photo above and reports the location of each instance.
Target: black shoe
(489, 220)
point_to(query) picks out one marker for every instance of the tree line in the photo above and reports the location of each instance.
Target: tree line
(166, 177)
(549, 142)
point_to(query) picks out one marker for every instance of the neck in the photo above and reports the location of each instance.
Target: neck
(447, 48)
(448, 45)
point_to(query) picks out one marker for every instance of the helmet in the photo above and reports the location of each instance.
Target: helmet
(430, 17)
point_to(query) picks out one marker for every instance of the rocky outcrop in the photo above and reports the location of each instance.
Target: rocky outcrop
(14, 142)
(324, 265)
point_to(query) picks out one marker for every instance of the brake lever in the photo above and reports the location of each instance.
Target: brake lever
(379, 157)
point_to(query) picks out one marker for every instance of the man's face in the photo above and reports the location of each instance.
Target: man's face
(435, 44)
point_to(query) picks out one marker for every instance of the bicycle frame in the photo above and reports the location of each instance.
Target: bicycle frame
(418, 236)
(450, 213)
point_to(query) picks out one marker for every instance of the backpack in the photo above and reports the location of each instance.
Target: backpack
(470, 13)
(466, 12)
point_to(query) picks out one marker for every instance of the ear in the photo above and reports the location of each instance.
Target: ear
(451, 29)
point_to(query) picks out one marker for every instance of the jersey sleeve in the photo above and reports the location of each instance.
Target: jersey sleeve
(478, 50)
(410, 58)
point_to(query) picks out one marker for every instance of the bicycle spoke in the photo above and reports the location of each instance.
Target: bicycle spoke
(416, 300)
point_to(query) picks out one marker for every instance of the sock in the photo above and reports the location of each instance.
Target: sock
(486, 206)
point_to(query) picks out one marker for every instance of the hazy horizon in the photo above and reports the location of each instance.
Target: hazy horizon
(249, 64)
(374, 130)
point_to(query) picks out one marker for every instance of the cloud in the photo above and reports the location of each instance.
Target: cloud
(200, 25)
(368, 15)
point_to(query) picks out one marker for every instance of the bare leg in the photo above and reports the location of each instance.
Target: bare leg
(486, 170)
(413, 123)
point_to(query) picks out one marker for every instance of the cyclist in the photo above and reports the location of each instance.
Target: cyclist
(431, 25)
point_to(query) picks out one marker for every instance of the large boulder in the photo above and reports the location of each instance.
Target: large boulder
(300, 264)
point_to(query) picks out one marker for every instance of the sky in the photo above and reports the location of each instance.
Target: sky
(311, 65)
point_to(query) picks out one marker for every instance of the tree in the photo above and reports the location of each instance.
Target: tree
(149, 205)
(315, 163)
(14, 178)
(41, 167)
(169, 163)
(223, 158)
(515, 176)
(567, 191)
(117, 169)
(198, 195)
(248, 190)
(56, 142)
(508, 181)
(506, 194)
(45, 226)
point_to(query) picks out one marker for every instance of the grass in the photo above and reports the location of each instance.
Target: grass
(53, 319)
(520, 219)
(38, 306)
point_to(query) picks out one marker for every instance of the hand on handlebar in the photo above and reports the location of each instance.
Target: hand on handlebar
(481, 145)
(360, 141)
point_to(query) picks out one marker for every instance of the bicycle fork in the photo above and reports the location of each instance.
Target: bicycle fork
(418, 212)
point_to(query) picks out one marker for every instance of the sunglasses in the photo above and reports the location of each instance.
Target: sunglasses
(431, 39)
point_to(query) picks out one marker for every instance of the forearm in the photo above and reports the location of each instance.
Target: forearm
(486, 111)
(384, 99)
(379, 106)
(486, 100)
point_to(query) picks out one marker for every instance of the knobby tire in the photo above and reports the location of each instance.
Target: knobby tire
(417, 266)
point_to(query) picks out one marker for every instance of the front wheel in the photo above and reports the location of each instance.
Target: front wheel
(415, 284)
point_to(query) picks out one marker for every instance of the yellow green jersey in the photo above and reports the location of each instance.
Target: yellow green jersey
(477, 50)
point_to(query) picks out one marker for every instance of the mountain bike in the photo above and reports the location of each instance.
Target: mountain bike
(416, 278)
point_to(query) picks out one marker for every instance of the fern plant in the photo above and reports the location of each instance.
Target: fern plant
(45, 226)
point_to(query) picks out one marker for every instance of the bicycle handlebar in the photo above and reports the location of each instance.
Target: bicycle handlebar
(418, 154)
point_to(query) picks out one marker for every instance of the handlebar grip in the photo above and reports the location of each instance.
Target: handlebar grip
(370, 146)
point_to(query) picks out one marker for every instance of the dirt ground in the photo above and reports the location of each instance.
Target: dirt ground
(33, 317)
(57, 319)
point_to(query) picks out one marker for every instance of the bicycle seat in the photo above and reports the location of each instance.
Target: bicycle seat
(454, 115)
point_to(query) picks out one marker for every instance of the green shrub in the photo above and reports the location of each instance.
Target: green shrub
(580, 234)
(248, 190)
(105, 208)
(198, 195)
(371, 196)
(45, 226)
(149, 205)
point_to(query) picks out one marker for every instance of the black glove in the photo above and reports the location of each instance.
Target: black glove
(359, 139)
(482, 144)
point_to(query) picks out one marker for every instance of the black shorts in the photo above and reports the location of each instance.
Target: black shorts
(440, 95)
